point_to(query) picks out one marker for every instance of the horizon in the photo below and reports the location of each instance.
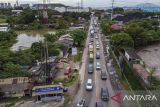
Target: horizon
(87, 3)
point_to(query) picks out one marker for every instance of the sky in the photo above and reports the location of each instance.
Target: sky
(90, 3)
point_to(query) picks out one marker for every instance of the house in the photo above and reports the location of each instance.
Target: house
(16, 87)
(66, 40)
(48, 92)
(116, 26)
(16, 12)
(4, 27)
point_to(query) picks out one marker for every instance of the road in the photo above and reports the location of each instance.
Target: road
(93, 96)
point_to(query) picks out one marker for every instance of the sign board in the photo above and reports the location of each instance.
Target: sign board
(47, 89)
(74, 51)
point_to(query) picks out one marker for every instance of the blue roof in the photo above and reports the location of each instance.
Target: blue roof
(49, 88)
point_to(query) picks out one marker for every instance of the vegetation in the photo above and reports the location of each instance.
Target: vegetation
(105, 26)
(79, 37)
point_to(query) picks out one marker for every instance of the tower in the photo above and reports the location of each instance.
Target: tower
(45, 14)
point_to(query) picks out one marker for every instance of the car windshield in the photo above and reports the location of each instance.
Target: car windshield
(89, 84)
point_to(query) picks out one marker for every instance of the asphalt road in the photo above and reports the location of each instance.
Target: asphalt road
(91, 97)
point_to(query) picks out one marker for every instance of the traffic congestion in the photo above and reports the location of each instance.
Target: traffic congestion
(97, 84)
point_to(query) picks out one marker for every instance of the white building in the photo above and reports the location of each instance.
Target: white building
(71, 9)
(4, 27)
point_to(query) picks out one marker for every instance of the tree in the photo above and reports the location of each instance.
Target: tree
(79, 37)
(105, 26)
(121, 40)
(11, 67)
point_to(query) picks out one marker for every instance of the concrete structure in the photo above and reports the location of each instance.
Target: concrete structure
(16, 87)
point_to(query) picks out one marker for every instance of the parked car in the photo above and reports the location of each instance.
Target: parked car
(103, 75)
(89, 85)
(90, 68)
(81, 103)
(99, 104)
(104, 94)
(98, 65)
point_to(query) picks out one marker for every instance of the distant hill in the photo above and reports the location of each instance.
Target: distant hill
(144, 5)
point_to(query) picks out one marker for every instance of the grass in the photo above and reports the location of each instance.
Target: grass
(77, 57)
(68, 97)
(2, 20)
(67, 81)
(13, 101)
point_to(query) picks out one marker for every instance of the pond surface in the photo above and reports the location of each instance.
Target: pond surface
(25, 40)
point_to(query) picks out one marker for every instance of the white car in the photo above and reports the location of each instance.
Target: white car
(89, 85)
(81, 103)
(97, 47)
(98, 65)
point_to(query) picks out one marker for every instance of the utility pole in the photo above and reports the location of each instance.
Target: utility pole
(81, 4)
(112, 9)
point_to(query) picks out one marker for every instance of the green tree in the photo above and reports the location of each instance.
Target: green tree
(105, 26)
(121, 40)
(11, 67)
(79, 37)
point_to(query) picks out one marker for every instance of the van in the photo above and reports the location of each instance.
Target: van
(97, 55)
(104, 94)
(89, 85)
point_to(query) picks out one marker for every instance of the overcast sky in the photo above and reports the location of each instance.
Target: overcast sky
(90, 3)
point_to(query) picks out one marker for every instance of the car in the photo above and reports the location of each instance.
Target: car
(97, 55)
(97, 47)
(90, 68)
(104, 94)
(99, 104)
(89, 85)
(97, 42)
(98, 65)
(81, 103)
(103, 75)
(96, 37)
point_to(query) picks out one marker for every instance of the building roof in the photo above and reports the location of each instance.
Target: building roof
(116, 26)
(16, 80)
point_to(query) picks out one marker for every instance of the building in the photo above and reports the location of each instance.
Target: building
(5, 5)
(48, 92)
(66, 40)
(16, 87)
(24, 6)
(17, 11)
(49, 6)
(4, 27)
(72, 9)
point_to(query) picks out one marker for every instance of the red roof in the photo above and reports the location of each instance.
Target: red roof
(116, 26)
